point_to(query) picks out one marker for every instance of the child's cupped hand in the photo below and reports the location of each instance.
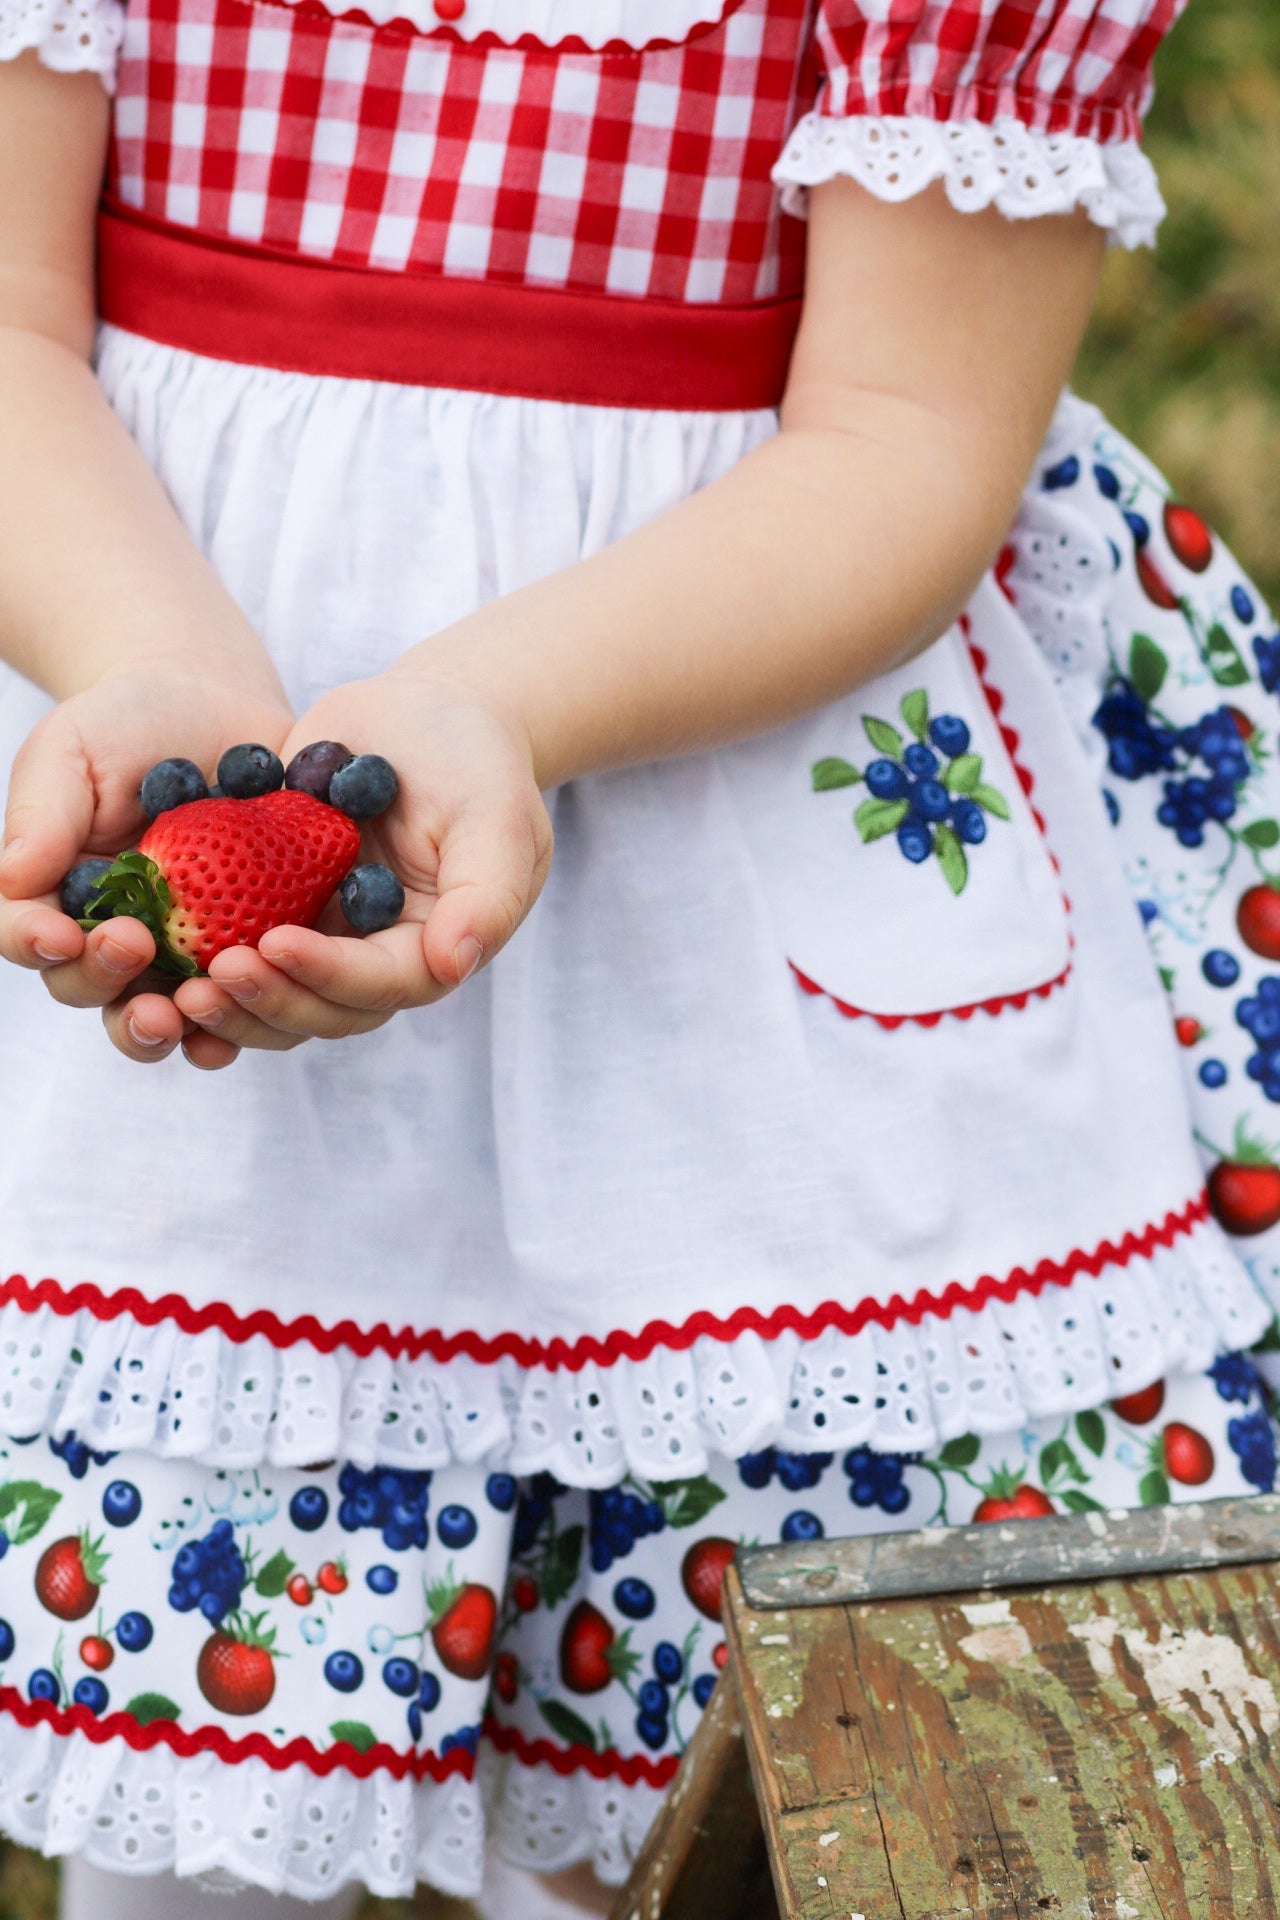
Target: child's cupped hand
(74, 792)
(468, 836)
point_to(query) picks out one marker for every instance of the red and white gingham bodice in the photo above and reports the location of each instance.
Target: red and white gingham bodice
(550, 143)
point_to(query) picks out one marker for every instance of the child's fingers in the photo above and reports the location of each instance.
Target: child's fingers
(206, 1051)
(34, 934)
(492, 865)
(113, 957)
(249, 1002)
(49, 813)
(144, 1026)
(372, 977)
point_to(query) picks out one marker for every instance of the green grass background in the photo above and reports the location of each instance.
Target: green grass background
(1184, 354)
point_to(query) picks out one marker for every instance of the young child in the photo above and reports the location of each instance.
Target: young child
(381, 1416)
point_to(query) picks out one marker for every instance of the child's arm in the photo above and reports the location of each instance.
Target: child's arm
(104, 601)
(933, 349)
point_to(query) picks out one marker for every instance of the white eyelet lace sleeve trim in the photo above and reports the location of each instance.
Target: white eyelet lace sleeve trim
(1004, 165)
(71, 36)
(236, 1403)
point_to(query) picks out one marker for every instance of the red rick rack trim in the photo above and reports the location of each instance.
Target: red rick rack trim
(1003, 1002)
(630, 1768)
(573, 1355)
(487, 42)
(341, 1757)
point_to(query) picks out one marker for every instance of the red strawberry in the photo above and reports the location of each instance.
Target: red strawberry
(1153, 582)
(1023, 1503)
(237, 1674)
(525, 1594)
(720, 1655)
(702, 1573)
(463, 1621)
(1138, 1408)
(68, 1576)
(1189, 539)
(220, 873)
(332, 1577)
(1258, 918)
(506, 1677)
(1241, 722)
(299, 1590)
(1245, 1195)
(96, 1652)
(1185, 1455)
(590, 1650)
(1188, 1030)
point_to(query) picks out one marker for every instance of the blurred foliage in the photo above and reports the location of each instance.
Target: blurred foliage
(1184, 351)
(1183, 354)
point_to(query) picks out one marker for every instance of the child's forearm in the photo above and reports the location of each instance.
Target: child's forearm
(850, 540)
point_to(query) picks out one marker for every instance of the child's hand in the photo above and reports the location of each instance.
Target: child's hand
(468, 836)
(74, 792)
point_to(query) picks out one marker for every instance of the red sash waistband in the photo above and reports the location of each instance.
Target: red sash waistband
(265, 309)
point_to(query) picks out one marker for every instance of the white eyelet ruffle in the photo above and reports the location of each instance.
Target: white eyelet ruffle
(1006, 165)
(71, 36)
(236, 1403)
(296, 1832)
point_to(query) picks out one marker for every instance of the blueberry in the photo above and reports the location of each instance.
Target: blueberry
(415, 1721)
(382, 1579)
(312, 770)
(668, 1663)
(187, 1560)
(949, 734)
(1108, 485)
(915, 841)
(895, 1499)
(4, 1543)
(654, 1698)
(1213, 1074)
(652, 1729)
(886, 780)
(970, 822)
(931, 800)
(121, 1503)
(213, 1606)
(171, 783)
(500, 1491)
(703, 1688)
(180, 1599)
(345, 1671)
(364, 787)
(920, 760)
(43, 1685)
(428, 1693)
(634, 1598)
(1148, 911)
(755, 1470)
(90, 1693)
(456, 1526)
(1138, 527)
(309, 1508)
(134, 1631)
(1241, 604)
(371, 897)
(1220, 968)
(248, 771)
(79, 888)
(802, 1525)
(7, 1641)
(401, 1676)
(1065, 474)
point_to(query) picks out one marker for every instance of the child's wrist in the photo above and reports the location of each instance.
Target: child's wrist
(470, 675)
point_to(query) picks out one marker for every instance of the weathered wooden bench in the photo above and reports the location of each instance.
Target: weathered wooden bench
(1076, 1716)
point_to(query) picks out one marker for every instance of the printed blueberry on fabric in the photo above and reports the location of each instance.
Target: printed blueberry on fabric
(927, 791)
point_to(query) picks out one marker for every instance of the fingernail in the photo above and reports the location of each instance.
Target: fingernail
(213, 1018)
(12, 849)
(115, 958)
(287, 962)
(141, 1039)
(467, 956)
(50, 958)
(243, 992)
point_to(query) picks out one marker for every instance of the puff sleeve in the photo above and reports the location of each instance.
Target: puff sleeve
(71, 36)
(1031, 106)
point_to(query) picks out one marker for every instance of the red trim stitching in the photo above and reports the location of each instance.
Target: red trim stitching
(1003, 1002)
(619, 1345)
(486, 42)
(339, 1758)
(630, 1768)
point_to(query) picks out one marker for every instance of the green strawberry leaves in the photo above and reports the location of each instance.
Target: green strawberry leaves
(31, 1503)
(135, 887)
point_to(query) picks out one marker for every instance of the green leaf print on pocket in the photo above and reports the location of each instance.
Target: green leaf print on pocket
(685, 1502)
(1077, 1502)
(1092, 1429)
(560, 1565)
(1260, 833)
(1148, 665)
(32, 1502)
(567, 1725)
(274, 1577)
(1222, 658)
(146, 1707)
(1153, 1489)
(355, 1733)
(960, 1453)
(928, 791)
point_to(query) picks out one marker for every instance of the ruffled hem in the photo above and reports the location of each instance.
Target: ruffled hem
(152, 1811)
(1020, 171)
(1055, 1340)
(71, 36)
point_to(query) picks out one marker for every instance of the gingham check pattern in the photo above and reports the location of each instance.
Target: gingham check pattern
(641, 174)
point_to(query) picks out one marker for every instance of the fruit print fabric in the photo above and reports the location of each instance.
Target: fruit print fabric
(1176, 692)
